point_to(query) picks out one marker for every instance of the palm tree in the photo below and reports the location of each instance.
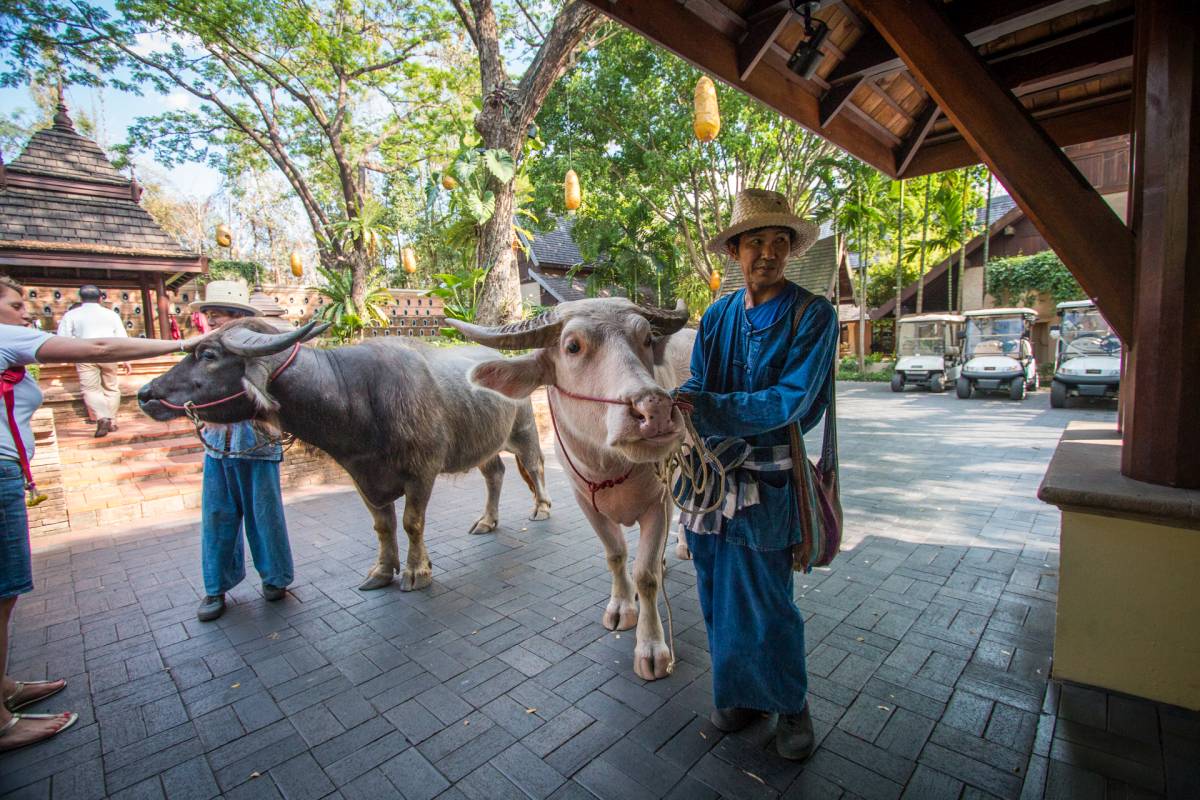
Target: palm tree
(863, 215)
(348, 317)
(924, 238)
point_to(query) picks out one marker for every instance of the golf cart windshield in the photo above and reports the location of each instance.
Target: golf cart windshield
(994, 336)
(922, 339)
(1085, 333)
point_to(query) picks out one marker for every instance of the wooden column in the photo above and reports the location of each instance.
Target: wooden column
(147, 309)
(1161, 431)
(1091, 240)
(164, 307)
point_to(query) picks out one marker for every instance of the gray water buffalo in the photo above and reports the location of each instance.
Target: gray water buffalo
(393, 414)
(609, 363)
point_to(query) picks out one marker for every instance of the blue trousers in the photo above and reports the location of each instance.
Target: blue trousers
(16, 567)
(237, 493)
(755, 630)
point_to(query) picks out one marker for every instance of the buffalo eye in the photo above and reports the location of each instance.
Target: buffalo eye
(572, 346)
(208, 355)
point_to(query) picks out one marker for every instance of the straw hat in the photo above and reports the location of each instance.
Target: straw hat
(759, 208)
(226, 294)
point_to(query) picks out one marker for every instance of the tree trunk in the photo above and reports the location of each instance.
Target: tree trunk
(358, 282)
(500, 299)
(924, 236)
(962, 250)
(987, 239)
(862, 309)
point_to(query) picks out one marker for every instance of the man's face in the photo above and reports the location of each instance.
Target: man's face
(762, 255)
(219, 316)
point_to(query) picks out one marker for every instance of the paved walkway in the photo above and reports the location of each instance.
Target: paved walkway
(929, 652)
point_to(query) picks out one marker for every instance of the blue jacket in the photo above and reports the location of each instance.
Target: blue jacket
(241, 436)
(753, 385)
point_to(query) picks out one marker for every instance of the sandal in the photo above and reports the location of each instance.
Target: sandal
(14, 702)
(70, 716)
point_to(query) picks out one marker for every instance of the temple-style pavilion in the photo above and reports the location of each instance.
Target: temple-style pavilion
(67, 218)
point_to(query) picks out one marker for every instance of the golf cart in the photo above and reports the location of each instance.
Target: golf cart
(998, 352)
(927, 351)
(1087, 360)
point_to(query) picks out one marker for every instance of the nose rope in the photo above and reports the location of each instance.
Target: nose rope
(188, 404)
(593, 486)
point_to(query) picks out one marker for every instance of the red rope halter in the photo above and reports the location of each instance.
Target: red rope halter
(189, 405)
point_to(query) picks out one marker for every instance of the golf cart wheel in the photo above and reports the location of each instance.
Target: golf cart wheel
(937, 384)
(1016, 389)
(897, 382)
(963, 388)
(1058, 394)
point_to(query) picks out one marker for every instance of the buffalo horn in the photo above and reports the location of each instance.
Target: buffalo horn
(662, 321)
(251, 344)
(541, 331)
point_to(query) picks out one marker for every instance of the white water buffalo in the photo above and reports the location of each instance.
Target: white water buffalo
(393, 414)
(608, 364)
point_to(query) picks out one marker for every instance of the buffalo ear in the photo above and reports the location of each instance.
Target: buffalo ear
(254, 381)
(515, 378)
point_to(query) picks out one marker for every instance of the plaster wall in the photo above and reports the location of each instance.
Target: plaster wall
(1128, 607)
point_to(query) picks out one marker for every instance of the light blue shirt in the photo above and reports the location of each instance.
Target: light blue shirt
(243, 438)
(18, 347)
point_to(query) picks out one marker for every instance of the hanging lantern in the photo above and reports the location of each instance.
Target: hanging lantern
(224, 235)
(571, 193)
(408, 257)
(297, 263)
(714, 282)
(448, 182)
(707, 120)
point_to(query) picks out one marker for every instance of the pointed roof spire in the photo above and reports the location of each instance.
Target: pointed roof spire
(62, 120)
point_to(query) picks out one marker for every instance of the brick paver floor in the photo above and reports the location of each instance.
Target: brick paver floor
(929, 652)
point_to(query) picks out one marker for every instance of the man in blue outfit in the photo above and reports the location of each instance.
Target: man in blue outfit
(241, 488)
(752, 378)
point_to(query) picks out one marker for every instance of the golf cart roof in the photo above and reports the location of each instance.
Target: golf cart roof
(1076, 304)
(1000, 312)
(933, 318)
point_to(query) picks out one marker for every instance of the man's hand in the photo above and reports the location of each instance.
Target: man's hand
(189, 344)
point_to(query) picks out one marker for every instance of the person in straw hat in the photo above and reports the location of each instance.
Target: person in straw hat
(241, 487)
(753, 377)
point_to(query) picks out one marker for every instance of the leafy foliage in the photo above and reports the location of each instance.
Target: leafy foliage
(228, 270)
(1020, 279)
(349, 316)
(460, 296)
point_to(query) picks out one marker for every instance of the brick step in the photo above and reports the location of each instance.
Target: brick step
(82, 436)
(79, 457)
(132, 471)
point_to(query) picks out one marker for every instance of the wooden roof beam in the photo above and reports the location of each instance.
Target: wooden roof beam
(921, 128)
(671, 25)
(978, 22)
(1093, 243)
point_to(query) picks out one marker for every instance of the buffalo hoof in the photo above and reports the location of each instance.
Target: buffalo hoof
(411, 580)
(484, 524)
(681, 550)
(621, 615)
(374, 581)
(651, 660)
(541, 512)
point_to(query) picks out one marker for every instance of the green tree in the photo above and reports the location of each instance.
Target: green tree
(332, 95)
(623, 121)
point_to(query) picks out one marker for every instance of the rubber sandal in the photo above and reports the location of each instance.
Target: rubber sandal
(72, 717)
(17, 706)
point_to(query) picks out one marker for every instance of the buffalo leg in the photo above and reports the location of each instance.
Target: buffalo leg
(525, 445)
(388, 563)
(493, 478)
(622, 611)
(418, 572)
(651, 656)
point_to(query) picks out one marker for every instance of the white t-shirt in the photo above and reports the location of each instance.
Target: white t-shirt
(91, 321)
(18, 347)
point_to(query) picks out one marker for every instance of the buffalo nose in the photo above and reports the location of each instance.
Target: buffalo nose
(144, 393)
(653, 413)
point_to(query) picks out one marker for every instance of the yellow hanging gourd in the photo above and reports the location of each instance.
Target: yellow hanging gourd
(448, 182)
(297, 263)
(408, 257)
(707, 120)
(371, 242)
(714, 281)
(571, 194)
(224, 235)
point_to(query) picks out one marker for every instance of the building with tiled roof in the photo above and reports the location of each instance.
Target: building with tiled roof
(68, 217)
(546, 269)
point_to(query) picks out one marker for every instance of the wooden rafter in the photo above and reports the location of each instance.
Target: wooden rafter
(1069, 213)
(760, 35)
(921, 128)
